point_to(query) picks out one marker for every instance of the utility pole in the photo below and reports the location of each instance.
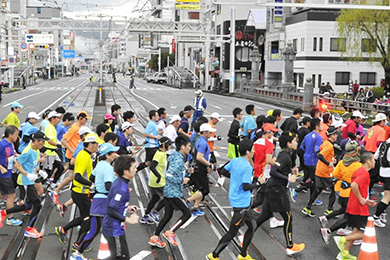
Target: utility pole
(159, 59)
(232, 49)
(101, 53)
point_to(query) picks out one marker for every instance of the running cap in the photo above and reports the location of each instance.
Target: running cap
(126, 125)
(379, 117)
(33, 115)
(90, 138)
(174, 118)
(357, 113)
(84, 130)
(106, 148)
(109, 116)
(16, 104)
(39, 136)
(216, 116)
(164, 140)
(270, 127)
(83, 114)
(206, 127)
(331, 130)
(53, 114)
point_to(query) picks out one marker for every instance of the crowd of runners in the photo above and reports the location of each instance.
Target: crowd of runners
(271, 161)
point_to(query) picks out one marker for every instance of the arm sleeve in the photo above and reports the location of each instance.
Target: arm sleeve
(92, 178)
(233, 131)
(247, 186)
(152, 167)
(82, 180)
(115, 214)
(276, 174)
(107, 185)
(322, 159)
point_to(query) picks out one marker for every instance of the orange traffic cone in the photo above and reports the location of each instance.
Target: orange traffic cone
(104, 250)
(369, 247)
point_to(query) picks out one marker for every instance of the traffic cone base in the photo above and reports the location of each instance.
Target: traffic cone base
(104, 250)
(369, 247)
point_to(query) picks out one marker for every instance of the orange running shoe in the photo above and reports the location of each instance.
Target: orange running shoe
(171, 237)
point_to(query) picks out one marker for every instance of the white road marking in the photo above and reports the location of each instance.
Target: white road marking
(189, 221)
(132, 92)
(6, 105)
(141, 255)
(217, 107)
(217, 154)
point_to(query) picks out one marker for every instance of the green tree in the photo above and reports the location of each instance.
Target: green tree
(366, 33)
(153, 62)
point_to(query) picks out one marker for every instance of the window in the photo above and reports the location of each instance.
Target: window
(218, 29)
(39, 10)
(368, 45)
(321, 43)
(313, 78)
(342, 78)
(295, 42)
(275, 55)
(338, 44)
(315, 44)
(319, 80)
(219, 9)
(302, 44)
(367, 78)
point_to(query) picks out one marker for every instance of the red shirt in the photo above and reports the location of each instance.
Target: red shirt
(362, 178)
(262, 147)
(350, 128)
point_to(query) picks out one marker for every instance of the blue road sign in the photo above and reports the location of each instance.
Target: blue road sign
(68, 53)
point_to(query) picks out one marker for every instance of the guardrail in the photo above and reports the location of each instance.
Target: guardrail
(273, 93)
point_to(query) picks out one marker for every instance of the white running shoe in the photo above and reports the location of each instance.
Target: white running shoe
(274, 223)
(344, 232)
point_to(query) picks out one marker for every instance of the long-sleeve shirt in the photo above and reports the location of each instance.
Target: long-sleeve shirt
(311, 146)
(233, 132)
(174, 176)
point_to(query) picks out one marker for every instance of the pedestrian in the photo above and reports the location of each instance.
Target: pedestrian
(132, 82)
(357, 209)
(31, 120)
(355, 89)
(291, 123)
(7, 157)
(118, 199)
(200, 106)
(176, 176)
(239, 170)
(276, 198)
(157, 182)
(184, 125)
(103, 176)
(234, 134)
(249, 123)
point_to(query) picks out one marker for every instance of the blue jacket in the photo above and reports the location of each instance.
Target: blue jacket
(174, 176)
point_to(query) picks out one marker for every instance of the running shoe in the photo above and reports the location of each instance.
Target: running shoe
(13, 222)
(325, 235)
(382, 217)
(32, 232)
(146, 220)
(3, 215)
(154, 216)
(347, 256)
(197, 212)
(340, 242)
(247, 257)
(373, 198)
(156, 241)
(324, 221)
(274, 223)
(295, 249)
(318, 203)
(75, 247)
(304, 188)
(308, 212)
(343, 232)
(171, 237)
(211, 257)
(328, 212)
(326, 190)
(357, 242)
(27, 212)
(293, 194)
(378, 222)
(61, 235)
(77, 256)
(62, 208)
(257, 210)
(54, 197)
(300, 174)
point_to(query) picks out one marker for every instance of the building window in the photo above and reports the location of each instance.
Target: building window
(319, 80)
(275, 55)
(367, 78)
(342, 78)
(338, 44)
(313, 78)
(302, 44)
(321, 44)
(368, 45)
(39, 10)
(295, 43)
(219, 9)
(315, 44)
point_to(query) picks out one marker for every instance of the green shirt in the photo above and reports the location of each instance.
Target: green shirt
(161, 158)
(12, 119)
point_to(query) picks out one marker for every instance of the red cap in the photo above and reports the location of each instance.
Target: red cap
(270, 127)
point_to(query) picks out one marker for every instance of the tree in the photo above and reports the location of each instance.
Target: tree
(366, 33)
(153, 62)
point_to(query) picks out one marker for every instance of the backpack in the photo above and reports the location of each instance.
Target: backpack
(382, 158)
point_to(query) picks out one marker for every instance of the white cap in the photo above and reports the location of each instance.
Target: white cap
(379, 117)
(53, 114)
(33, 115)
(198, 92)
(338, 123)
(206, 127)
(216, 116)
(126, 125)
(357, 113)
(84, 130)
(174, 118)
(90, 139)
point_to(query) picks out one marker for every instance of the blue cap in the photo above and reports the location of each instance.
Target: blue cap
(16, 104)
(33, 130)
(106, 148)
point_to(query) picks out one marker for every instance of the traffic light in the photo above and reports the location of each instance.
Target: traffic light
(44, 46)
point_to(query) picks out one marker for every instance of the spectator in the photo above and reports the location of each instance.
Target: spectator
(369, 95)
(355, 89)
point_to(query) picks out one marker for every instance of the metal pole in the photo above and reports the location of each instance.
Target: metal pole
(101, 53)
(232, 49)
(207, 57)
(159, 59)
(168, 61)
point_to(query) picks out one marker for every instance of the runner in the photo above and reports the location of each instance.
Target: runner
(124, 141)
(12, 118)
(28, 166)
(108, 120)
(161, 124)
(117, 123)
(325, 124)
(234, 134)
(184, 125)
(291, 123)
(118, 199)
(157, 182)
(31, 120)
(173, 193)
(171, 132)
(249, 123)
(151, 137)
(351, 124)
(239, 170)
(214, 119)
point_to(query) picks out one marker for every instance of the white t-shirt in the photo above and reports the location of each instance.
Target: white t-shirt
(161, 125)
(171, 133)
(383, 171)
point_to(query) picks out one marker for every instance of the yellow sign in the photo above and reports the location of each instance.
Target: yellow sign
(188, 7)
(188, 1)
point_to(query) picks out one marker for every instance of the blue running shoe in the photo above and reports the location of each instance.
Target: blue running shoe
(14, 222)
(154, 216)
(197, 212)
(293, 194)
(318, 203)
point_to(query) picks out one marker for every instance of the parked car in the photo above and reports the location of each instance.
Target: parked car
(160, 77)
(68, 74)
(150, 77)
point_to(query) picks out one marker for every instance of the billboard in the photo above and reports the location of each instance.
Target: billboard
(39, 38)
(68, 54)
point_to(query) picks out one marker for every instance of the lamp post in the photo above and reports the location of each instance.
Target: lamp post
(289, 56)
(255, 58)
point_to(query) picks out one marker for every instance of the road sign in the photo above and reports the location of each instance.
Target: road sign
(68, 53)
(11, 60)
(40, 38)
(31, 46)
(23, 46)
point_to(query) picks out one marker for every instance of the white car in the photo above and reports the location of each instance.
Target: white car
(160, 77)
(150, 77)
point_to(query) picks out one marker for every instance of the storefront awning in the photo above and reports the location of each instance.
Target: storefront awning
(257, 18)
